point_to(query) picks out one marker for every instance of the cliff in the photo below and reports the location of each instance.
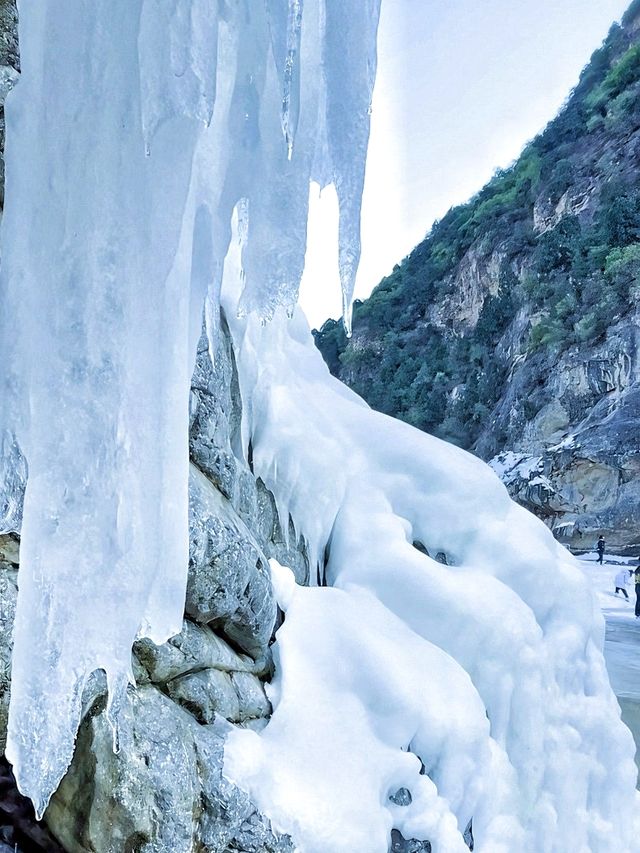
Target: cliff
(512, 329)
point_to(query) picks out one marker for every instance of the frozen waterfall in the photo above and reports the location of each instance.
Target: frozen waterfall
(159, 156)
(136, 129)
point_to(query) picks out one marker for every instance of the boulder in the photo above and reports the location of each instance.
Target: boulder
(206, 694)
(229, 584)
(162, 793)
(8, 599)
(196, 647)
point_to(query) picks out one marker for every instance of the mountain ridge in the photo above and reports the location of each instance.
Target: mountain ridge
(512, 328)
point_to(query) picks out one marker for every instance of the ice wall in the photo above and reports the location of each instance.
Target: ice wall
(138, 126)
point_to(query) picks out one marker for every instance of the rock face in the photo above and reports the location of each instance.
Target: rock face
(164, 792)
(8, 599)
(576, 463)
(9, 68)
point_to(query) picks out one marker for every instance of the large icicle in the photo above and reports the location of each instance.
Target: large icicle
(136, 129)
(510, 621)
(350, 49)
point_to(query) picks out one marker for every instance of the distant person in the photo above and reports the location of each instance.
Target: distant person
(600, 546)
(637, 579)
(621, 580)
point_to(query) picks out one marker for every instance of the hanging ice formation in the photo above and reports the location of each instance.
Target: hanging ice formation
(478, 687)
(136, 129)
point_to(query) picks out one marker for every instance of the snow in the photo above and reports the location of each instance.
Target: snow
(521, 464)
(518, 468)
(395, 691)
(511, 614)
(135, 131)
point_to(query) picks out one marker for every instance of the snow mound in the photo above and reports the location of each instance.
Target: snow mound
(488, 669)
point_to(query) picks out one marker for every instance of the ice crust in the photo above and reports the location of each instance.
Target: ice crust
(136, 129)
(488, 669)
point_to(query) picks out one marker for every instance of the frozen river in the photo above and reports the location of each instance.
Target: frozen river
(622, 638)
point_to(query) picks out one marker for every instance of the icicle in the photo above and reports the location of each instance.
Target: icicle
(177, 49)
(291, 89)
(285, 24)
(349, 53)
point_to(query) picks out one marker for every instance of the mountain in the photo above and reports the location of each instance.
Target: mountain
(513, 328)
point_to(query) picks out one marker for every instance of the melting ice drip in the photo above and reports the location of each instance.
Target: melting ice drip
(138, 126)
(479, 686)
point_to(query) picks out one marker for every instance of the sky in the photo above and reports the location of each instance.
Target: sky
(462, 85)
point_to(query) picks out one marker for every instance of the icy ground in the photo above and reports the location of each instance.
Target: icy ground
(622, 639)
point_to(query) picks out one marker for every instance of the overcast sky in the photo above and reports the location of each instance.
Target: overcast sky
(462, 86)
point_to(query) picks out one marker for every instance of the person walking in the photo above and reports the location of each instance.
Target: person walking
(600, 546)
(621, 581)
(637, 580)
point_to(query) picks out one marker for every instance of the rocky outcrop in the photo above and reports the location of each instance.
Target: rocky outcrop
(163, 791)
(9, 68)
(476, 278)
(576, 462)
(8, 598)
(216, 451)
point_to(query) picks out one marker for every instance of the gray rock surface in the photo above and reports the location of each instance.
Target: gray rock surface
(8, 599)
(164, 790)
(229, 583)
(216, 450)
(577, 463)
(252, 699)
(195, 647)
(206, 694)
(9, 69)
(400, 844)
